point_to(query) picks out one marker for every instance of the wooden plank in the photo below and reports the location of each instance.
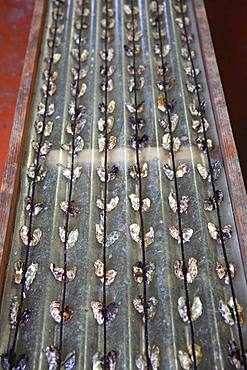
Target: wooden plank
(11, 180)
(227, 144)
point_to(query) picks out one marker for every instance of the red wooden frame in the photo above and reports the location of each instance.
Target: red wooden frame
(227, 144)
(11, 179)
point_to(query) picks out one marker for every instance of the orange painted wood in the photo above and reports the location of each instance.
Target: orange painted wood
(11, 179)
(227, 144)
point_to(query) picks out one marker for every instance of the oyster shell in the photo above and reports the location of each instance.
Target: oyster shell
(215, 232)
(195, 310)
(34, 239)
(154, 357)
(221, 271)
(186, 232)
(56, 312)
(186, 357)
(58, 272)
(98, 311)
(181, 170)
(152, 302)
(72, 237)
(166, 143)
(192, 270)
(135, 203)
(139, 271)
(183, 204)
(110, 206)
(110, 238)
(99, 271)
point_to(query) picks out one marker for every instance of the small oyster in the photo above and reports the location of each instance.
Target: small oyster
(162, 104)
(101, 314)
(111, 142)
(234, 355)
(111, 173)
(135, 202)
(34, 238)
(203, 172)
(58, 272)
(216, 235)
(110, 206)
(135, 232)
(36, 209)
(138, 304)
(99, 271)
(186, 232)
(75, 148)
(72, 237)
(44, 149)
(210, 203)
(56, 312)
(166, 143)
(47, 130)
(135, 235)
(186, 357)
(154, 357)
(52, 356)
(228, 312)
(195, 310)
(18, 272)
(134, 173)
(111, 361)
(30, 275)
(132, 108)
(181, 170)
(221, 271)
(76, 173)
(192, 270)
(111, 107)
(183, 204)
(138, 272)
(71, 208)
(110, 238)
(149, 237)
(13, 311)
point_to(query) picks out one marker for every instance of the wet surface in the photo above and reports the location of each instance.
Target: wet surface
(227, 22)
(166, 330)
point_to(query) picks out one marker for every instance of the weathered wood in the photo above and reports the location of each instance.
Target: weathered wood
(227, 144)
(11, 180)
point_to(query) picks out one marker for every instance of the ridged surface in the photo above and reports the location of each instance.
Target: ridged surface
(125, 333)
